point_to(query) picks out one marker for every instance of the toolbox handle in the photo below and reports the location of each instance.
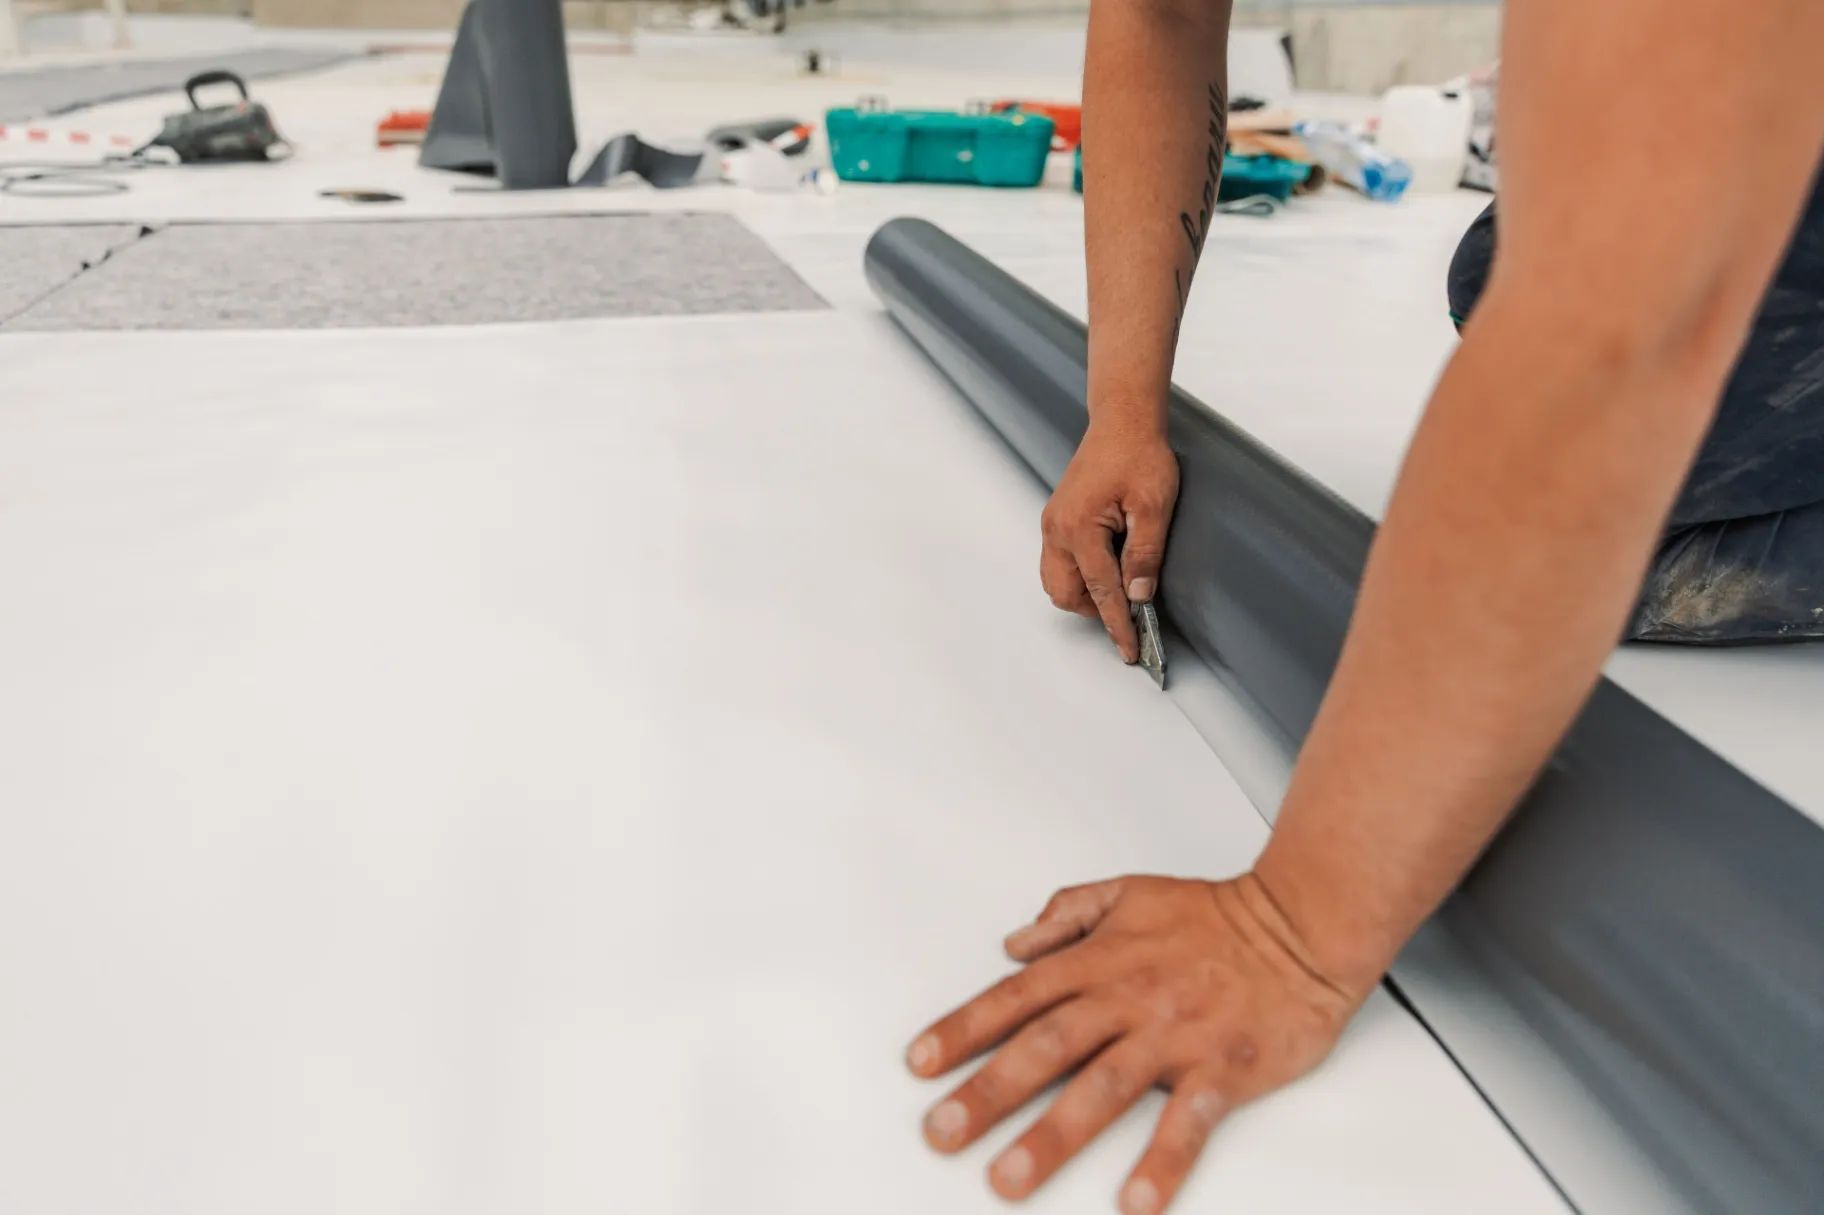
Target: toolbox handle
(218, 76)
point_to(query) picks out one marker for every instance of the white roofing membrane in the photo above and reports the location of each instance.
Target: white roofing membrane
(557, 765)
(478, 769)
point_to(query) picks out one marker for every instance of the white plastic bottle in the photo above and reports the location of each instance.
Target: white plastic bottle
(1428, 128)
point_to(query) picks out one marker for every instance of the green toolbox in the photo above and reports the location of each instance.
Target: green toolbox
(873, 143)
(1248, 176)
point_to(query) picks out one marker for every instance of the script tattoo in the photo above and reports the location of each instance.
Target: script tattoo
(1198, 227)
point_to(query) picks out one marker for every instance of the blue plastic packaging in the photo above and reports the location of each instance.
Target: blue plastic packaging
(1354, 161)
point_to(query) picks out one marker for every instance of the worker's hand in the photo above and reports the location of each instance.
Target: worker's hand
(1122, 480)
(1202, 987)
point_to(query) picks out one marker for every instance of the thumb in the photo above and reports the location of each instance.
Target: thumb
(1143, 553)
(1070, 916)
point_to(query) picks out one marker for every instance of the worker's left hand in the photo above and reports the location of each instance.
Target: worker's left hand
(1202, 987)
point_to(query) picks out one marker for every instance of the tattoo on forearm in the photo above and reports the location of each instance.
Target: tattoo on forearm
(1198, 228)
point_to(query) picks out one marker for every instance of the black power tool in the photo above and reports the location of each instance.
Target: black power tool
(240, 130)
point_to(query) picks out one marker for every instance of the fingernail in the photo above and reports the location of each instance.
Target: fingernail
(922, 1053)
(1012, 1170)
(1139, 1198)
(947, 1121)
(1140, 590)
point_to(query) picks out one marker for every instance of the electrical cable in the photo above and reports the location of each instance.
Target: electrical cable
(1264, 206)
(91, 179)
(74, 179)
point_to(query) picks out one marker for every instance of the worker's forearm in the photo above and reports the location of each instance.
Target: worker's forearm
(1502, 578)
(1553, 447)
(1155, 105)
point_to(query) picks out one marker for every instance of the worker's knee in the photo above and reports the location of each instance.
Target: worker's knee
(1470, 266)
(1737, 582)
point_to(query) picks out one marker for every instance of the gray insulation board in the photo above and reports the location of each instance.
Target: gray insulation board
(1654, 915)
(38, 260)
(362, 274)
(41, 92)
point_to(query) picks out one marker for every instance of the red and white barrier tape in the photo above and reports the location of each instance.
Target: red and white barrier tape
(43, 135)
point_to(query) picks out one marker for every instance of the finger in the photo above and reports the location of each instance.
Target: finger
(1197, 1104)
(1032, 1059)
(1071, 915)
(1089, 1104)
(1062, 581)
(1143, 553)
(1095, 555)
(996, 1013)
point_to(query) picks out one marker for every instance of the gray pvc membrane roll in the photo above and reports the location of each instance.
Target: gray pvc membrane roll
(1655, 915)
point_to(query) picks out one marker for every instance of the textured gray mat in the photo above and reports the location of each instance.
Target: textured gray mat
(426, 272)
(58, 90)
(37, 261)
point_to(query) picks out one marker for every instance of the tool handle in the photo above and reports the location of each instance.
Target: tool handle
(204, 79)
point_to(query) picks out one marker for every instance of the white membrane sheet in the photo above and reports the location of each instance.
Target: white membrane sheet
(557, 768)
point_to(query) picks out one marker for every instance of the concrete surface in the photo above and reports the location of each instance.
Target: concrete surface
(59, 89)
(1368, 48)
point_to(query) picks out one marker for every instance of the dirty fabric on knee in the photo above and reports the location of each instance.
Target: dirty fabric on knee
(1738, 582)
(1742, 561)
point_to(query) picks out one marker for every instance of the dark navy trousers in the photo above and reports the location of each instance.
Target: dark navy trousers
(1741, 560)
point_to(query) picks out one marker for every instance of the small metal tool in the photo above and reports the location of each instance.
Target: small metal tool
(1146, 623)
(1152, 648)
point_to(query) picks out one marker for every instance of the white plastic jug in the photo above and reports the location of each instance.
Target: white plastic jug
(1428, 128)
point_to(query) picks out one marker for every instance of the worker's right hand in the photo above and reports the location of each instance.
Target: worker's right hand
(1122, 481)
